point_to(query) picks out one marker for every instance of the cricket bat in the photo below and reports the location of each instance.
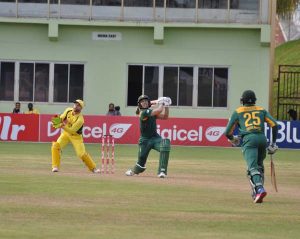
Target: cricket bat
(273, 175)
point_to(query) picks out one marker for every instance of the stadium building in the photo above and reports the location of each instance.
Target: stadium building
(203, 54)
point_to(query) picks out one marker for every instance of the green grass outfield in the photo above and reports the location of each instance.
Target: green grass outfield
(206, 195)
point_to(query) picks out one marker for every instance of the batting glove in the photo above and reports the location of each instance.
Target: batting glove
(166, 101)
(272, 148)
(235, 141)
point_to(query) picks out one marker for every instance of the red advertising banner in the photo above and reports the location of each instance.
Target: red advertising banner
(19, 127)
(125, 129)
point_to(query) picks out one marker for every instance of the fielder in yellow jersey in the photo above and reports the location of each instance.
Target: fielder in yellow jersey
(71, 121)
(250, 120)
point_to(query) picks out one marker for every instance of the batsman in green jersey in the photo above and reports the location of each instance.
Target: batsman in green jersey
(250, 120)
(149, 138)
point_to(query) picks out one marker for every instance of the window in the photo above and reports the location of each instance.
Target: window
(41, 82)
(107, 2)
(233, 4)
(76, 82)
(212, 87)
(219, 4)
(181, 3)
(138, 3)
(135, 83)
(60, 83)
(37, 83)
(188, 86)
(34, 82)
(170, 85)
(220, 87)
(142, 80)
(178, 85)
(185, 92)
(7, 70)
(68, 82)
(26, 82)
(151, 81)
(205, 80)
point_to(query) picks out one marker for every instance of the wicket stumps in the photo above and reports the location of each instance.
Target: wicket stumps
(108, 154)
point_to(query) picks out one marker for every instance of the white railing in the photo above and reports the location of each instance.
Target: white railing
(197, 11)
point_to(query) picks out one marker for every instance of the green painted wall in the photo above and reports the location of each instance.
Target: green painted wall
(106, 73)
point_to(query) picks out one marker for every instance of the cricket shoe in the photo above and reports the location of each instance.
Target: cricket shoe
(261, 193)
(96, 170)
(162, 175)
(54, 170)
(129, 172)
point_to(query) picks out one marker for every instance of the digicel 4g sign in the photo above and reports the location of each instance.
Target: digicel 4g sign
(122, 128)
(194, 132)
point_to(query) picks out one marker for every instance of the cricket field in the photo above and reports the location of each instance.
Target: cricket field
(206, 195)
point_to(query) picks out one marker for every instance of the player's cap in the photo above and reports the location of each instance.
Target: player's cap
(79, 102)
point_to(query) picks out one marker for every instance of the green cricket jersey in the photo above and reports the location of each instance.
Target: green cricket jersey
(147, 124)
(249, 119)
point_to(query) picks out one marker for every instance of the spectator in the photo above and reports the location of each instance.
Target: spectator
(31, 110)
(17, 109)
(111, 109)
(117, 110)
(293, 114)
